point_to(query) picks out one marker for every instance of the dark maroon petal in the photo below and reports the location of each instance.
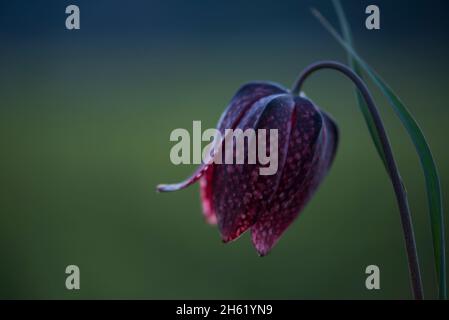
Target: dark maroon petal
(331, 136)
(312, 146)
(242, 101)
(240, 192)
(239, 105)
(206, 195)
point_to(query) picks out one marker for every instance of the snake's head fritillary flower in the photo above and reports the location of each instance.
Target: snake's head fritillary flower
(236, 196)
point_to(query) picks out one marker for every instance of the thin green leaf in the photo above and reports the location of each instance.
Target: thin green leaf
(424, 153)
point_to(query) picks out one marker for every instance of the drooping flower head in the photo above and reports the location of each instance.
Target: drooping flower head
(236, 196)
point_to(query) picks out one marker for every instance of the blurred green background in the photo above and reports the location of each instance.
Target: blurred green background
(85, 119)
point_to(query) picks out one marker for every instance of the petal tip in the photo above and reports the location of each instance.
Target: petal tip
(234, 236)
(162, 188)
(262, 252)
(226, 239)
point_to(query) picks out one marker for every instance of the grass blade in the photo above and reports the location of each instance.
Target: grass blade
(428, 164)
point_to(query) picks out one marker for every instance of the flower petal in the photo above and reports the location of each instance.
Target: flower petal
(240, 192)
(242, 101)
(206, 195)
(183, 184)
(239, 105)
(311, 150)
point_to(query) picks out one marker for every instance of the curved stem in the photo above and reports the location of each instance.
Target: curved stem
(401, 196)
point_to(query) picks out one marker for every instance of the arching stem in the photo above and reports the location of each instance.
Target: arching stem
(401, 196)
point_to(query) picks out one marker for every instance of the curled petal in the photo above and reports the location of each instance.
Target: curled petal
(183, 184)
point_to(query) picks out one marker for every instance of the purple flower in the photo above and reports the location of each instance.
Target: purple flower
(236, 196)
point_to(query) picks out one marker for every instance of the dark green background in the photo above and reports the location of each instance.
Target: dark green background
(85, 119)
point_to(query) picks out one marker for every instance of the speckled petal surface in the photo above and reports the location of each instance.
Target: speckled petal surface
(206, 195)
(243, 100)
(240, 192)
(312, 146)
